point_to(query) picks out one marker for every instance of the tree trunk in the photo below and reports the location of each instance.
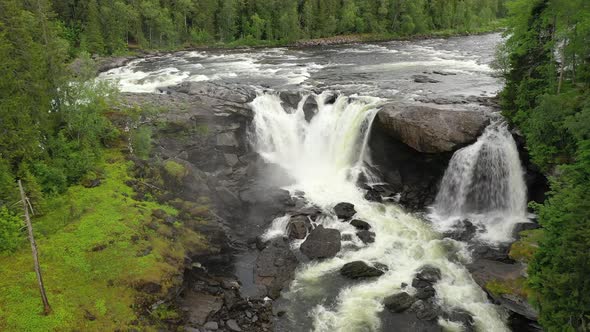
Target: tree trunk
(46, 306)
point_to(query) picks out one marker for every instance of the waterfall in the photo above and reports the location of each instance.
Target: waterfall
(324, 156)
(484, 183)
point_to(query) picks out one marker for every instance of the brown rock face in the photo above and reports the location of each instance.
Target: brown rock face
(432, 130)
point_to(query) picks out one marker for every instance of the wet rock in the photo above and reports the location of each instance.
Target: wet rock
(429, 274)
(275, 266)
(331, 99)
(227, 139)
(373, 196)
(233, 325)
(360, 225)
(359, 270)
(344, 210)
(201, 306)
(399, 302)
(366, 236)
(228, 197)
(464, 231)
(290, 99)
(212, 326)
(298, 227)
(431, 130)
(425, 292)
(424, 79)
(310, 108)
(191, 329)
(321, 243)
(426, 310)
(485, 271)
(461, 316)
(443, 73)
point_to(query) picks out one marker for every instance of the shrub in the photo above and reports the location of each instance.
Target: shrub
(10, 230)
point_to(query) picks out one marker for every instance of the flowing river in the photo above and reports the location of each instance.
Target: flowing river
(325, 157)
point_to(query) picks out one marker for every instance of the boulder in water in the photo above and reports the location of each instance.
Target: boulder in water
(366, 237)
(461, 316)
(298, 227)
(344, 210)
(310, 108)
(429, 274)
(432, 130)
(290, 99)
(321, 243)
(399, 302)
(373, 195)
(424, 79)
(361, 225)
(360, 270)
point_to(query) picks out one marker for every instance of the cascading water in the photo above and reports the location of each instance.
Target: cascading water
(323, 156)
(484, 183)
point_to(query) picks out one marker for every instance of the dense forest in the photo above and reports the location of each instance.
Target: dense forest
(109, 26)
(547, 97)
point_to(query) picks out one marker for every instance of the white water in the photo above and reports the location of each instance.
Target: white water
(324, 156)
(485, 184)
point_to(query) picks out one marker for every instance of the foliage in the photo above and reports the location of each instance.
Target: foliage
(175, 170)
(108, 27)
(547, 96)
(98, 240)
(10, 230)
(141, 141)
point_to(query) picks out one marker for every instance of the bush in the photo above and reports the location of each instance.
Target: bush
(141, 140)
(175, 170)
(10, 230)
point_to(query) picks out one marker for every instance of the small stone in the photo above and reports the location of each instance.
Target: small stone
(233, 325)
(213, 326)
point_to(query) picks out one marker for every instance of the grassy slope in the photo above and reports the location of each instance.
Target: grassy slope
(80, 276)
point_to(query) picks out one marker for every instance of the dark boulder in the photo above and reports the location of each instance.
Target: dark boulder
(425, 292)
(464, 231)
(290, 99)
(344, 210)
(360, 225)
(366, 236)
(360, 270)
(399, 302)
(298, 227)
(321, 243)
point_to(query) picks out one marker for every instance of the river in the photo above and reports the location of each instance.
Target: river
(325, 157)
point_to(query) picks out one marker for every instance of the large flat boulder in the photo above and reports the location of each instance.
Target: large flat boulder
(321, 243)
(432, 130)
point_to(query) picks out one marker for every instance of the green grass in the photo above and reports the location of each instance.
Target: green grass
(89, 244)
(513, 286)
(524, 249)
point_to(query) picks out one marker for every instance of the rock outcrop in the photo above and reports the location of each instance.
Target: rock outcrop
(432, 130)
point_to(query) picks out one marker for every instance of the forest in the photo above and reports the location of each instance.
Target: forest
(56, 133)
(547, 96)
(111, 26)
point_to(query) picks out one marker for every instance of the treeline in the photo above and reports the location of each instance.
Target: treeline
(52, 127)
(110, 26)
(547, 96)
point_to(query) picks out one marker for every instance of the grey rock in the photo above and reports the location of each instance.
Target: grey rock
(321, 243)
(275, 266)
(431, 130)
(227, 139)
(424, 79)
(366, 236)
(360, 270)
(298, 227)
(399, 302)
(233, 325)
(344, 210)
(213, 326)
(429, 274)
(231, 159)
